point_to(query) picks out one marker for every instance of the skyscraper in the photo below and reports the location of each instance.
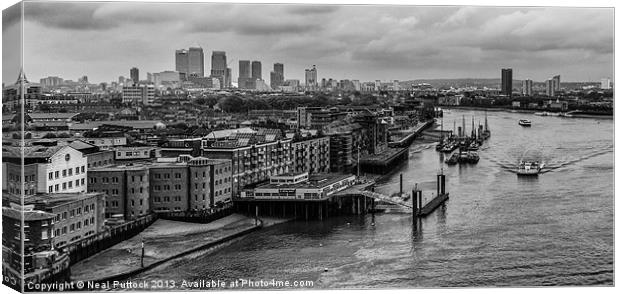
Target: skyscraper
(550, 88)
(526, 88)
(218, 67)
(134, 73)
(196, 62)
(181, 59)
(311, 78)
(228, 77)
(556, 83)
(257, 70)
(507, 81)
(277, 75)
(245, 70)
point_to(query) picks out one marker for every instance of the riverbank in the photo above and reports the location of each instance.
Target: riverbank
(509, 109)
(163, 240)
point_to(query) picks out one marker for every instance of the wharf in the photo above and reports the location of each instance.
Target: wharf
(385, 161)
(406, 140)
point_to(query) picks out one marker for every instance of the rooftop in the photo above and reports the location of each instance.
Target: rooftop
(29, 215)
(315, 181)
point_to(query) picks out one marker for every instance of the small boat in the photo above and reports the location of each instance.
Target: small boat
(544, 113)
(470, 157)
(529, 168)
(454, 159)
(525, 123)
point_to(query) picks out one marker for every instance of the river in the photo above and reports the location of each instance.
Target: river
(496, 229)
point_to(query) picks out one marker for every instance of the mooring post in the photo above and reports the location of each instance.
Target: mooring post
(256, 215)
(320, 211)
(414, 204)
(358, 206)
(142, 255)
(420, 204)
(306, 211)
(401, 184)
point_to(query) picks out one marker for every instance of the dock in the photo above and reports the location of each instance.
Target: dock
(406, 140)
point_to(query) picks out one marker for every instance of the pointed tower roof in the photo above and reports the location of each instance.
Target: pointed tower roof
(21, 78)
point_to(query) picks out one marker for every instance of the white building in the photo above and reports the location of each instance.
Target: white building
(138, 94)
(606, 83)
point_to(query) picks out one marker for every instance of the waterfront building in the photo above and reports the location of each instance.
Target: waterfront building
(311, 155)
(138, 94)
(76, 215)
(53, 169)
(134, 73)
(255, 155)
(506, 86)
(317, 117)
(35, 249)
(556, 83)
(526, 88)
(311, 78)
(178, 184)
(299, 187)
(550, 88)
(218, 67)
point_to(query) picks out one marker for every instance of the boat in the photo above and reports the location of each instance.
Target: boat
(544, 113)
(469, 157)
(525, 123)
(529, 168)
(454, 159)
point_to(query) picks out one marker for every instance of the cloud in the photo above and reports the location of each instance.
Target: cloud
(312, 9)
(71, 16)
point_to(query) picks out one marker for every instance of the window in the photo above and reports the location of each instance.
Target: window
(82, 181)
(133, 178)
(92, 206)
(79, 210)
(132, 203)
(166, 176)
(50, 189)
(141, 190)
(83, 169)
(70, 184)
(64, 186)
(128, 153)
(86, 222)
(133, 190)
(79, 225)
(64, 172)
(141, 201)
(72, 213)
(77, 170)
(50, 176)
(70, 172)
(56, 174)
(77, 183)
(64, 230)
(72, 228)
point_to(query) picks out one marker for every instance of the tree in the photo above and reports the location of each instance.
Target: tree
(49, 136)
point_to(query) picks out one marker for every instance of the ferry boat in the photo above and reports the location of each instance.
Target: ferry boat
(525, 123)
(528, 168)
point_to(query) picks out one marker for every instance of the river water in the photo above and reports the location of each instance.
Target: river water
(496, 229)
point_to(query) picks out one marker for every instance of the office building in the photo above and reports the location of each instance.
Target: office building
(506, 88)
(196, 62)
(277, 76)
(526, 88)
(181, 63)
(218, 66)
(311, 78)
(138, 94)
(257, 70)
(245, 72)
(550, 87)
(134, 73)
(556, 83)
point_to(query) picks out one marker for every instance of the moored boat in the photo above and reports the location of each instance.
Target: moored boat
(525, 123)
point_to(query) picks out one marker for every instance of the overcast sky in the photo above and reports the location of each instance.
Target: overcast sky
(104, 40)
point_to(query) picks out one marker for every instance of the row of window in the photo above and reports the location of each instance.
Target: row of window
(66, 172)
(100, 163)
(75, 226)
(167, 176)
(74, 212)
(65, 185)
(17, 178)
(166, 199)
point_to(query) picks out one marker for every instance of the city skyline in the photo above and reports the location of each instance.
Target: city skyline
(461, 42)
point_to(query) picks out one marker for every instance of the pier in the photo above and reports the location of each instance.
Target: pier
(408, 139)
